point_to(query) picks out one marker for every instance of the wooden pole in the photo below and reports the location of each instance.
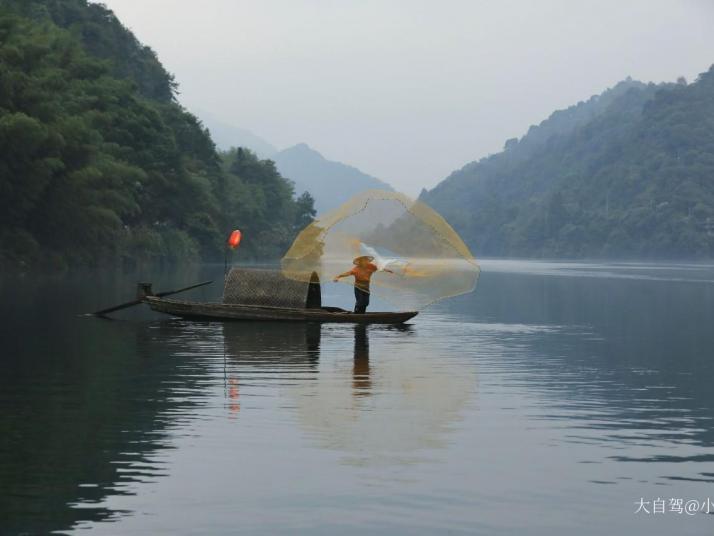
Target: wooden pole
(143, 290)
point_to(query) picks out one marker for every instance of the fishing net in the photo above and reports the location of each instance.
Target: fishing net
(419, 258)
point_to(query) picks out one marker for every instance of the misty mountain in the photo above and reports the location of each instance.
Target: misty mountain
(627, 173)
(330, 183)
(227, 136)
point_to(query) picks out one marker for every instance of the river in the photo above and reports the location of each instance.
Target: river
(558, 398)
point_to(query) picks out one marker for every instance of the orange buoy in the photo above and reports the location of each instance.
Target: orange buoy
(234, 239)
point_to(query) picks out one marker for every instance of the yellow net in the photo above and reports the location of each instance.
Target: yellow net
(418, 257)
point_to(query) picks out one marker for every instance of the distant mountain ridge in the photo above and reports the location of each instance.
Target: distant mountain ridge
(227, 136)
(330, 183)
(627, 173)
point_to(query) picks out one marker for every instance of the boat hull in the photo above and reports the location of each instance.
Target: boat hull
(225, 311)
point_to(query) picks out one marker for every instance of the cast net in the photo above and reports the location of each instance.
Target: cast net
(419, 258)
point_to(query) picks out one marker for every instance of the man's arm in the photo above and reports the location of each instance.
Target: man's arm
(344, 274)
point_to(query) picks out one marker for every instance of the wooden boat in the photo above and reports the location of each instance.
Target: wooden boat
(226, 311)
(266, 295)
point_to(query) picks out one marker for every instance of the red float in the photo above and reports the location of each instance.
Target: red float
(234, 239)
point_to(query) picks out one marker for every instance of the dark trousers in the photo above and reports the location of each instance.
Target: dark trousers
(361, 299)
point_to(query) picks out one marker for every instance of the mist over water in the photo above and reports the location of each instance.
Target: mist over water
(548, 402)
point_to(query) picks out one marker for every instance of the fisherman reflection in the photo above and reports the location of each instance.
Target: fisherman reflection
(390, 407)
(361, 380)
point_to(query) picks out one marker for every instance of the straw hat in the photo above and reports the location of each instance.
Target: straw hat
(368, 258)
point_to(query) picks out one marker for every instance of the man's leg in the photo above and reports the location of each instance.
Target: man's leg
(361, 300)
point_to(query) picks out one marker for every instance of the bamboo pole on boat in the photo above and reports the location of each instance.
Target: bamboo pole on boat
(143, 290)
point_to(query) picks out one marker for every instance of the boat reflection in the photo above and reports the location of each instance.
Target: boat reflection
(272, 345)
(383, 401)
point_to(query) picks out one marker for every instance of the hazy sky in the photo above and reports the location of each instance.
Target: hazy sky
(410, 90)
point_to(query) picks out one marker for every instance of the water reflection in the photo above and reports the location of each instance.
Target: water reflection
(623, 359)
(582, 381)
(361, 381)
(377, 409)
(85, 411)
(255, 352)
(271, 346)
(385, 405)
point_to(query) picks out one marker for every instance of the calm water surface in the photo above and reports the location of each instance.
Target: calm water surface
(551, 401)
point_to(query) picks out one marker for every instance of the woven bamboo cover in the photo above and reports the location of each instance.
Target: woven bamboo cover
(265, 287)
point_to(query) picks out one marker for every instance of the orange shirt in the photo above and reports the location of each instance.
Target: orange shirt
(363, 273)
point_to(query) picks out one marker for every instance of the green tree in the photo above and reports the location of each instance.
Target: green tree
(98, 163)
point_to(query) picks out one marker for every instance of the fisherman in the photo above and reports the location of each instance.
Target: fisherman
(362, 272)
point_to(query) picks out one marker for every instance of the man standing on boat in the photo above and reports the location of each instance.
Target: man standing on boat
(362, 272)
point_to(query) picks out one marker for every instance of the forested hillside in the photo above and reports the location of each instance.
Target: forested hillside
(99, 163)
(629, 173)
